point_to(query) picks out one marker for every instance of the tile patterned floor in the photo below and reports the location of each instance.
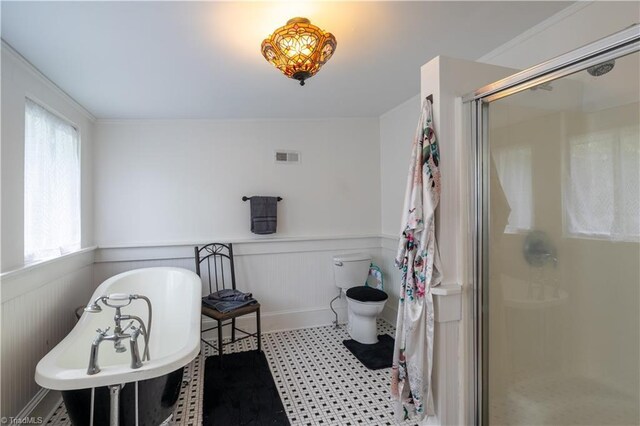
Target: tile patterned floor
(320, 382)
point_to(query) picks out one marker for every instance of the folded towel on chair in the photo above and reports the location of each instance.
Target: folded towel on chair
(227, 300)
(229, 294)
(264, 215)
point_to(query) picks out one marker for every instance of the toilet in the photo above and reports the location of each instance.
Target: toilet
(364, 303)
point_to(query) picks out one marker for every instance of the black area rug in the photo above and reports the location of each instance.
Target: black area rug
(376, 356)
(242, 393)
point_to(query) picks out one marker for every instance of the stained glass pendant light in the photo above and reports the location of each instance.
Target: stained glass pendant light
(299, 49)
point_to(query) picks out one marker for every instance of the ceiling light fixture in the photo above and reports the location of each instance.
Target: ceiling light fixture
(299, 49)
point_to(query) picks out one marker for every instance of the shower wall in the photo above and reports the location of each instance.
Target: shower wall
(597, 273)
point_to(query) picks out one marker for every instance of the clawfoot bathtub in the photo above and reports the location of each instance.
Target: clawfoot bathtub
(149, 391)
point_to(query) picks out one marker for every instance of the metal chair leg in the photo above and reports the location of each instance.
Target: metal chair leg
(258, 327)
(233, 329)
(220, 342)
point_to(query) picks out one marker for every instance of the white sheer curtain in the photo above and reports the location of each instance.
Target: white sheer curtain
(51, 185)
(513, 164)
(602, 190)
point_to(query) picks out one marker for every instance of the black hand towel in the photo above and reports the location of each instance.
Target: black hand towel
(264, 215)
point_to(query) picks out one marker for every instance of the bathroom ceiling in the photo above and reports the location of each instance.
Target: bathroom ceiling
(203, 60)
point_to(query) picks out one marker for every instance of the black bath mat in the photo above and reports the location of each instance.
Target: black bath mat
(242, 393)
(376, 356)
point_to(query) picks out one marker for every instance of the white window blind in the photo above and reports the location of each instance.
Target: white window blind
(51, 185)
(513, 165)
(602, 190)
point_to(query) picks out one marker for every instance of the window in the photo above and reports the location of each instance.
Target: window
(602, 192)
(51, 185)
(513, 165)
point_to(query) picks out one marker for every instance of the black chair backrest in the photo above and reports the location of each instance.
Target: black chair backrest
(210, 264)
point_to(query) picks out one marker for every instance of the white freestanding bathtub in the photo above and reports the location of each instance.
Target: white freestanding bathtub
(175, 295)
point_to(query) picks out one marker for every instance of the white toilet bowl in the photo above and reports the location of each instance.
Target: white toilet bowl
(362, 325)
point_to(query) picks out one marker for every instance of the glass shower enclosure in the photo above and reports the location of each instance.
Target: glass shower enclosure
(557, 250)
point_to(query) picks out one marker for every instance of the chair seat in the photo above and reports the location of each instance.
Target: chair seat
(217, 315)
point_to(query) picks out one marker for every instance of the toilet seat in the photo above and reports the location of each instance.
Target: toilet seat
(366, 294)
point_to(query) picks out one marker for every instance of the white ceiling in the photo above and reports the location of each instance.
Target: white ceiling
(203, 60)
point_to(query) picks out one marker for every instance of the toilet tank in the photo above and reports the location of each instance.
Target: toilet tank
(351, 270)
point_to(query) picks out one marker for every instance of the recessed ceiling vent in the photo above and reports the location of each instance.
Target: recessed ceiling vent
(287, 157)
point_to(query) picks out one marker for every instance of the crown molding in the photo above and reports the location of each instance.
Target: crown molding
(6, 47)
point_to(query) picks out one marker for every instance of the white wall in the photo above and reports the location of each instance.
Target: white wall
(19, 80)
(164, 185)
(447, 79)
(397, 130)
(37, 301)
(182, 180)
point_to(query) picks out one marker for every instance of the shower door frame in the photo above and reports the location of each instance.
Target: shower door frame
(616, 45)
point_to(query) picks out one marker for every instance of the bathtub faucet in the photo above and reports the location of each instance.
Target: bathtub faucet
(118, 301)
(116, 338)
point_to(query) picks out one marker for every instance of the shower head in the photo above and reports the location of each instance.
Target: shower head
(601, 69)
(94, 307)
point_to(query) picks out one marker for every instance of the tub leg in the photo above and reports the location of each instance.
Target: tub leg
(93, 406)
(114, 412)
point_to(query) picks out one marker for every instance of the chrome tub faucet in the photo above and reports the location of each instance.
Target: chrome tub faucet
(116, 338)
(118, 301)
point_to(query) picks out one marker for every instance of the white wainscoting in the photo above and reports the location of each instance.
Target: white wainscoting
(445, 376)
(292, 278)
(38, 304)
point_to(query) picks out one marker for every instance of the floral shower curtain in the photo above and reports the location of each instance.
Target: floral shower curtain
(419, 262)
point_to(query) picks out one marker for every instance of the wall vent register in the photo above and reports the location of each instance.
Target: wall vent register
(290, 157)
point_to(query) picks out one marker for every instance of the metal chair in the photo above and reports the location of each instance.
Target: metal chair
(216, 255)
